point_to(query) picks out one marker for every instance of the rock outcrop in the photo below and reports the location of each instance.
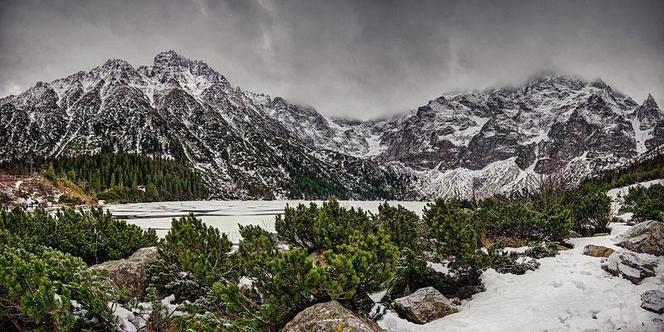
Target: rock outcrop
(423, 306)
(330, 317)
(653, 300)
(130, 273)
(646, 237)
(597, 251)
(631, 266)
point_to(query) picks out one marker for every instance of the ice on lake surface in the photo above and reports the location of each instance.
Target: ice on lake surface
(226, 215)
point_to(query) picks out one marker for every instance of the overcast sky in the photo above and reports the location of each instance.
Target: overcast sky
(360, 59)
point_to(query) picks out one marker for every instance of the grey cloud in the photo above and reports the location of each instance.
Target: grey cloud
(347, 58)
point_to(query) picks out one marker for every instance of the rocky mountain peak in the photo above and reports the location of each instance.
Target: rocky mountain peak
(551, 81)
(650, 102)
(192, 73)
(117, 64)
(649, 115)
(169, 59)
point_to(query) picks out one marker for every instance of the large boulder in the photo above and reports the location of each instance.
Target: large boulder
(653, 300)
(423, 306)
(330, 316)
(130, 273)
(631, 266)
(597, 251)
(646, 237)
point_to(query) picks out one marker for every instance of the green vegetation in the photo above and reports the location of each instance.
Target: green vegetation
(590, 209)
(47, 290)
(92, 235)
(124, 177)
(646, 203)
(118, 177)
(306, 184)
(193, 257)
(45, 283)
(333, 253)
(645, 170)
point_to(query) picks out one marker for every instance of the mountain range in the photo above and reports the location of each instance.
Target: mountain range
(249, 145)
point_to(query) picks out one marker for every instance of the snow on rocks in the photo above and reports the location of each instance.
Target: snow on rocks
(631, 266)
(597, 251)
(329, 317)
(653, 300)
(424, 305)
(646, 237)
(135, 318)
(124, 319)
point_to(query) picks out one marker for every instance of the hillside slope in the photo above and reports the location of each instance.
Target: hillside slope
(183, 110)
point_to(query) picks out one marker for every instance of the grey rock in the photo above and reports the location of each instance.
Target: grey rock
(631, 266)
(424, 305)
(330, 317)
(646, 237)
(653, 300)
(130, 273)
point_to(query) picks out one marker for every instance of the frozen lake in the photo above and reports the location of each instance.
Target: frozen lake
(226, 215)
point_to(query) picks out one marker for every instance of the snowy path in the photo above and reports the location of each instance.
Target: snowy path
(569, 292)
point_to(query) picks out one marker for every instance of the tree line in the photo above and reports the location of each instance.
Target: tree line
(125, 177)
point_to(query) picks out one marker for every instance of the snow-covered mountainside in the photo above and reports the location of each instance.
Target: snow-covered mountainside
(249, 145)
(183, 109)
(500, 140)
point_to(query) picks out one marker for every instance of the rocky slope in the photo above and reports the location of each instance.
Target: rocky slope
(500, 140)
(183, 109)
(250, 145)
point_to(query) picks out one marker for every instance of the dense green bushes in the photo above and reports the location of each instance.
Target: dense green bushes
(646, 203)
(278, 284)
(521, 220)
(193, 257)
(334, 253)
(45, 283)
(590, 208)
(92, 235)
(45, 289)
(315, 228)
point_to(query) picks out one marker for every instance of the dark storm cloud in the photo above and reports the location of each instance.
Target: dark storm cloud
(350, 58)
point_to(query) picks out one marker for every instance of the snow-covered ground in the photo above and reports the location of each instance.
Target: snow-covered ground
(226, 215)
(569, 292)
